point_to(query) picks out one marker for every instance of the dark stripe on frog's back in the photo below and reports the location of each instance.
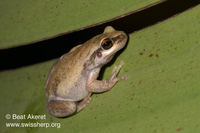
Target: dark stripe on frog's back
(91, 62)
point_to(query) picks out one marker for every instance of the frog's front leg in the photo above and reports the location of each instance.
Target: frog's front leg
(105, 85)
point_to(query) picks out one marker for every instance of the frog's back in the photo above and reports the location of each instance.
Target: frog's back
(64, 78)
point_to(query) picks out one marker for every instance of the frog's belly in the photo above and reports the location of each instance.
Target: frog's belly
(76, 95)
(72, 96)
(75, 92)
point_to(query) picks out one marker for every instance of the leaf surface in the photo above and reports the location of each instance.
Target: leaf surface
(161, 94)
(26, 21)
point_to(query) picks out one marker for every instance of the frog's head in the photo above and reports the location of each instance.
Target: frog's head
(105, 46)
(113, 42)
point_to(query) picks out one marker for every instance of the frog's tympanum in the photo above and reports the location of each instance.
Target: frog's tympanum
(73, 78)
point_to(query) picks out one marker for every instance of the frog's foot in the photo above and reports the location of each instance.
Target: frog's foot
(60, 108)
(113, 78)
(84, 102)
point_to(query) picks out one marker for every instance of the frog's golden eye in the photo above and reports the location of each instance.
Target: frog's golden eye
(106, 43)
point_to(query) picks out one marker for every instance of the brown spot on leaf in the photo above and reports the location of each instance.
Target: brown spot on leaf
(150, 55)
(179, 129)
(141, 53)
(157, 55)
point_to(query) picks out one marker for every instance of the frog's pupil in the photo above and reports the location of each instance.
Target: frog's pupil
(107, 43)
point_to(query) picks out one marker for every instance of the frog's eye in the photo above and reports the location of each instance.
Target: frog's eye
(106, 43)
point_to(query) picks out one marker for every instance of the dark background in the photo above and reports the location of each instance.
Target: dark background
(53, 48)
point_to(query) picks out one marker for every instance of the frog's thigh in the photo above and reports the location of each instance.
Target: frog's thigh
(60, 108)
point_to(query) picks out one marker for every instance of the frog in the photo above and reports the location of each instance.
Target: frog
(74, 77)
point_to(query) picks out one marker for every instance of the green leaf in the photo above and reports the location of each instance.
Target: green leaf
(161, 94)
(26, 21)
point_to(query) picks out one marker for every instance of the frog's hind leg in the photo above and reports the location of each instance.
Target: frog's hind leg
(60, 108)
(82, 104)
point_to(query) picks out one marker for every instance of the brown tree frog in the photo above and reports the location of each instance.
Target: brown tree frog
(73, 78)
